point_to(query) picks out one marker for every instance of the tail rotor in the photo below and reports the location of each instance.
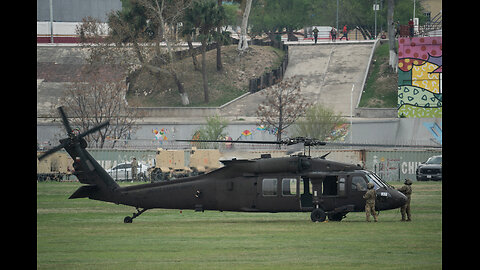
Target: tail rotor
(74, 141)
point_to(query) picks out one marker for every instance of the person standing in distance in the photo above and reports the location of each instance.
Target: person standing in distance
(315, 34)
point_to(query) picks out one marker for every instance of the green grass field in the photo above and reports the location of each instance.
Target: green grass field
(87, 234)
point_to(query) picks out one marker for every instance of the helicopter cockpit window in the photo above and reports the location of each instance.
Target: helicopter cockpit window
(289, 186)
(269, 187)
(358, 183)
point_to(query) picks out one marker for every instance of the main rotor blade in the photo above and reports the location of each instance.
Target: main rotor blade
(51, 151)
(223, 141)
(383, 145)
(94, 129)
(66, 124)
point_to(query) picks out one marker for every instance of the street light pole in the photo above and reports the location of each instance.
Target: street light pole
(351, 114)
(337, 15)
(51, 21)
(375, 7)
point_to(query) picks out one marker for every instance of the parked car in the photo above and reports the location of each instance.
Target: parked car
(123, 172)
(430, 170)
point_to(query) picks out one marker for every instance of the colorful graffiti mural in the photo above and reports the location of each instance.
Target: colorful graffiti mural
(420, 77)
(160, 134)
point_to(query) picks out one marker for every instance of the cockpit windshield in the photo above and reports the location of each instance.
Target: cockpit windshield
(380, 180)
(375, 179)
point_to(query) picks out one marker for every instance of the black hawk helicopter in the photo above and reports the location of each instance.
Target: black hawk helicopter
(296, 183)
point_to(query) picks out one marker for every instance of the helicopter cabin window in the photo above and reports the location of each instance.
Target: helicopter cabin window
(289, 186)
(269, 187)
(358, 183)
(341, 186)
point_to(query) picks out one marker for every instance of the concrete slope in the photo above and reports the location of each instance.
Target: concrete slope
(328, 71)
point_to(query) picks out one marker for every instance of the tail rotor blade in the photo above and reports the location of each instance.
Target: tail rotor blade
(94, 129)
(66, 124)
(51, 151)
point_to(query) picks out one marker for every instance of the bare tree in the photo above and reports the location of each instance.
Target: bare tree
(283, 105)
(242, 42)
(97, 94)
(155, 15)
(171, 12)
(95, 98)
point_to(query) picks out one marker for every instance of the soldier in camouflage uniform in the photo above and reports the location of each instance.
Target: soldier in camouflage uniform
(134, 169)
(407, 191)
(370, 196)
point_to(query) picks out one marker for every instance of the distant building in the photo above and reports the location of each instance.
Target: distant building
(76, 10)
(67, 14)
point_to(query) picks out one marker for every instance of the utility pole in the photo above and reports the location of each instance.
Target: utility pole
(51, 21)
(337, 16)
(351, 114)
(375, 8)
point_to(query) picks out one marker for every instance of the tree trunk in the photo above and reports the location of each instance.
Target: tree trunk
(280, 119)
(391, 35)
(219, 44)
(204, 70)
(192, 53)
(242, 42)
(219, 56)
(181, 90)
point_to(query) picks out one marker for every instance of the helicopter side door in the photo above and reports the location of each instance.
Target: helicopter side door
(358, 188)
(278, 193)
(306, 194)
(330, 192)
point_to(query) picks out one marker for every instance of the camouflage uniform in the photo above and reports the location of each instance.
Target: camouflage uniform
(370, 196)
(407, 191)
(134, 169)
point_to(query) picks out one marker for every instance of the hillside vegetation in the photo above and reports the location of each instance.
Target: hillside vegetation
(381, 87)
(149, 90)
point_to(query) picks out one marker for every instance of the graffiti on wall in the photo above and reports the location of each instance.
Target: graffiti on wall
(160, 134)
(434, 129)
(420, 77)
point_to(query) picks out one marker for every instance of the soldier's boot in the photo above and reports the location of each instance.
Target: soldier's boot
(402, 211)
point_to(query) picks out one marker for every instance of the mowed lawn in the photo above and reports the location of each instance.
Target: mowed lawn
(87, 234)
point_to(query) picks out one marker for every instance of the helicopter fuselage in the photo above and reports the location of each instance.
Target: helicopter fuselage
(288, 184)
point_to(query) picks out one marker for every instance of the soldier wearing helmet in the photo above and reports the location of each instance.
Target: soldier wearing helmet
(407, 191)
(370, 196)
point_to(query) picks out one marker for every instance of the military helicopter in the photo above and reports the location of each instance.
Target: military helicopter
(297, 183)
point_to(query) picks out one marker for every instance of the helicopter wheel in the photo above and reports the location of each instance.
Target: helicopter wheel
(318, 215)
(127, 219)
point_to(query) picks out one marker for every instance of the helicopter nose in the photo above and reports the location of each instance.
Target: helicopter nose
(399, 199)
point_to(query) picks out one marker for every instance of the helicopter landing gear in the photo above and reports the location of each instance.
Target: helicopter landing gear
(128, 219)
(318, 215)
(336, 216)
